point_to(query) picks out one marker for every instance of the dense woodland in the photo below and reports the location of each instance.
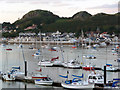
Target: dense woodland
(46, 21)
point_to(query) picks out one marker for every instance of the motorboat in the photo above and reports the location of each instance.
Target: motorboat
(71, 64)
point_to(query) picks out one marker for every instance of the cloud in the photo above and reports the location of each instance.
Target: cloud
(105, 6)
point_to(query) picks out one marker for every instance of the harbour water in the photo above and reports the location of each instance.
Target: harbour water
(15, 58)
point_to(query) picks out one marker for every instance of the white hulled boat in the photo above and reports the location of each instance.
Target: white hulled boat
(71, 64)
(45, 63)
(44, 81)
(8, 77)
(109, 67)
(77, 83)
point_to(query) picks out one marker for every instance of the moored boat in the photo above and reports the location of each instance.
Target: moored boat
(44, 81)
(71, 64)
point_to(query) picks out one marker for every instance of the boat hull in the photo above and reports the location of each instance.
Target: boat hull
(88, 68)
(43, 82)
(79, 87)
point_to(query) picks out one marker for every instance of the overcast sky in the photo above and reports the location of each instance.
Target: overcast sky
(11, 10)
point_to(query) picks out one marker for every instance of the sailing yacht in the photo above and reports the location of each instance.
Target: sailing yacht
(8, 76)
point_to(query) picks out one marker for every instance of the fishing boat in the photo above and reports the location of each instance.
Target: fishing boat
(71, 64)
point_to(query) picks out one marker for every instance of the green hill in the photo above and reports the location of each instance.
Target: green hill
(46, 21)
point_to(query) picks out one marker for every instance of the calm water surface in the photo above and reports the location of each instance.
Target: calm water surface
(15, 57)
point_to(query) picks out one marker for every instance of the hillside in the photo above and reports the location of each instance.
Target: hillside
(36, 17)
(46, 21)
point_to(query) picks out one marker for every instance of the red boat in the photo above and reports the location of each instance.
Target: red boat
(74, 47)
(88, 68)
(9, 49)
